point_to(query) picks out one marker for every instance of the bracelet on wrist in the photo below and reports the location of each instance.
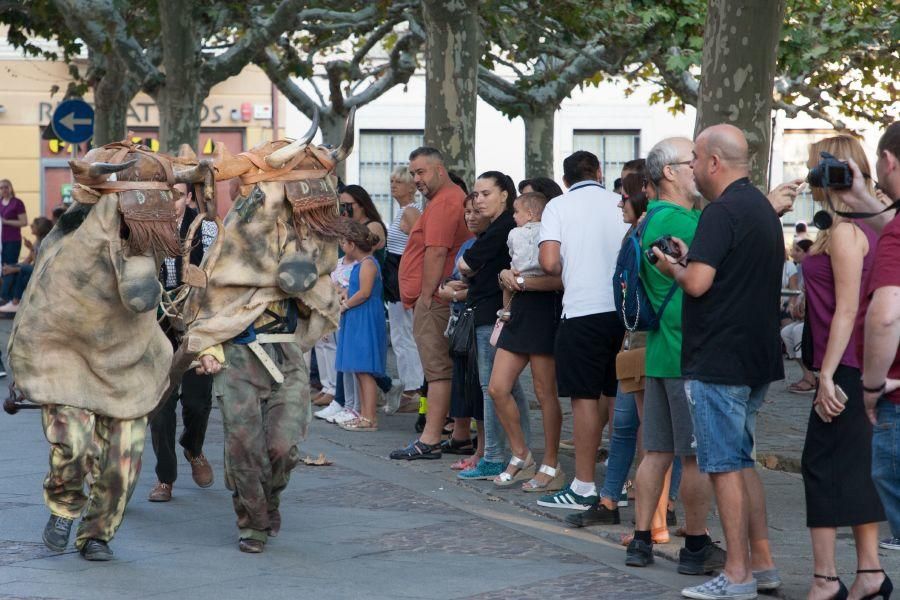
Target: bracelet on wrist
(874, 390)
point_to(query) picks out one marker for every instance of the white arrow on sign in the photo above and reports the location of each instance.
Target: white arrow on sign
(70, 122)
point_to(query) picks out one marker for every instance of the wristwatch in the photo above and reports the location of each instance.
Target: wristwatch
(521, 281)
(453, 295)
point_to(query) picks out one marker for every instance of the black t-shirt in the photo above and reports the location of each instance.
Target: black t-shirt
(487, 257)
(731, 333)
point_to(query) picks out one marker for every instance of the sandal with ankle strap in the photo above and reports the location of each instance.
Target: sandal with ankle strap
(557, 481)
(887, 586)
(526, 470)
(842, 592)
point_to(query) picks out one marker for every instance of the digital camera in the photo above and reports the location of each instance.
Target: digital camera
(830, 173)
(665, 245)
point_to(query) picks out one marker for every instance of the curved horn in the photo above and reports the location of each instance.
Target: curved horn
(277, 159)
(193, 174)
(346, 145)
(93, 170)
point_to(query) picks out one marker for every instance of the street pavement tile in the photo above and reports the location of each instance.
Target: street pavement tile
(13, 551)
(475, 536)
(374, 495)
(602, 583)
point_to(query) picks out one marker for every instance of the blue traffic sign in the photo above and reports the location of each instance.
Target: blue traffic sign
(73, 121)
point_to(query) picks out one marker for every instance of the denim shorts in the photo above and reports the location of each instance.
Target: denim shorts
(724, 424)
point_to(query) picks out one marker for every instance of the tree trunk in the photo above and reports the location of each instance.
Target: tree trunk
(113, 92)
(452, 51)
(740, 45)
(539, 143)
(180, 98)
(332, 127)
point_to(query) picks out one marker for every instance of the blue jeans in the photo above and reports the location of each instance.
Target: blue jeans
(622, 446)
(886, 461)
(724, 424)
(495, 444)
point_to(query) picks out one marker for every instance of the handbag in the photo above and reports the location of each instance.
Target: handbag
(390, 277)
(631, 368)
(462, 338)
(806, 343)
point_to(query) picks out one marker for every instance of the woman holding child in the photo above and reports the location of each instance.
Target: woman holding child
(527, 336)
(481, 265)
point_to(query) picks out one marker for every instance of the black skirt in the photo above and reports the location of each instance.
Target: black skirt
(837, 463)
(532, 324)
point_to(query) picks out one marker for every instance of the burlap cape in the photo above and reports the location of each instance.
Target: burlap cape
(73, 341)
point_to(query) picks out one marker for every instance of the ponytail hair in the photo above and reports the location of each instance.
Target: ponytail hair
(362, 237)
(505, 183)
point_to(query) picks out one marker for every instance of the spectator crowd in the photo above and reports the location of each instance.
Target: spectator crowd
(480, 284)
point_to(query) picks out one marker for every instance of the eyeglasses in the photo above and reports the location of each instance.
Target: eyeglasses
(683, 162)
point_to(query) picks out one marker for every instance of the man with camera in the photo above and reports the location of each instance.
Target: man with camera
(666, 425)
(731, 347)
(880, 309)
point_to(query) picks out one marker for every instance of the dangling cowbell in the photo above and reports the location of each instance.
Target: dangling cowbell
(278, 242)
(86, 332)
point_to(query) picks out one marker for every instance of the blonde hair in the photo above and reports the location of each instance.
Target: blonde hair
(402, 174)
(12, 191)
(841, 147)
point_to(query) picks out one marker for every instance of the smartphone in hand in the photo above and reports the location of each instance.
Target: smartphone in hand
(841, 396)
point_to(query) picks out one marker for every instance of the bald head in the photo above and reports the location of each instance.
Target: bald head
(721, 156)
(728, 143)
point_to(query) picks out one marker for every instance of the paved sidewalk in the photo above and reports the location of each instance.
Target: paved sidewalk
(369, 527)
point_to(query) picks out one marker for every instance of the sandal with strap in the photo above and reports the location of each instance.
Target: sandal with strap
(465, 463)
(842, 592)
(557, 481)
(886, 589)
(526, 469)
(359, 424)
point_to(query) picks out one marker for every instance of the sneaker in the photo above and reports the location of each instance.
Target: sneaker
(95, 549)
(720, 588)
(598, 514)
(891, 543)
(344, 416)
(639, 554)
(56, 532)
(483, 470)
(329, 411)
(9, 307)
(201, 470)
(706, 560)
(161, 492)
(417, 450)
(566, 498)
(767, 580)
(623, 499)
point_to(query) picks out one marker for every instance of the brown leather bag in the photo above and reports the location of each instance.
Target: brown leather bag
(630, 369)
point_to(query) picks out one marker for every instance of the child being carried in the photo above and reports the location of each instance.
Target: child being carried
(523, 240)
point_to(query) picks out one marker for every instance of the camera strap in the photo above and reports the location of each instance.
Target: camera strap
(863, 215)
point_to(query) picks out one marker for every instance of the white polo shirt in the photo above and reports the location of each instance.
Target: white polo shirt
(587, 223)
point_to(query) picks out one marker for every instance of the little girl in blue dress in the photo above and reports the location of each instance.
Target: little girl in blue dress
(362, 336)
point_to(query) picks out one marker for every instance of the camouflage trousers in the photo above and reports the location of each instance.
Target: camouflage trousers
(263, 422)
(83, 442)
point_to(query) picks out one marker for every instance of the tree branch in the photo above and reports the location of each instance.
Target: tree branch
(400, 67)
(256, 37)
(101, 26)
(270, 64)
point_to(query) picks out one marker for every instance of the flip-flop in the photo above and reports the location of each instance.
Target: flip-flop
(802, 387)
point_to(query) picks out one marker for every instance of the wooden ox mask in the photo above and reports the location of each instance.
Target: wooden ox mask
(278, 242)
